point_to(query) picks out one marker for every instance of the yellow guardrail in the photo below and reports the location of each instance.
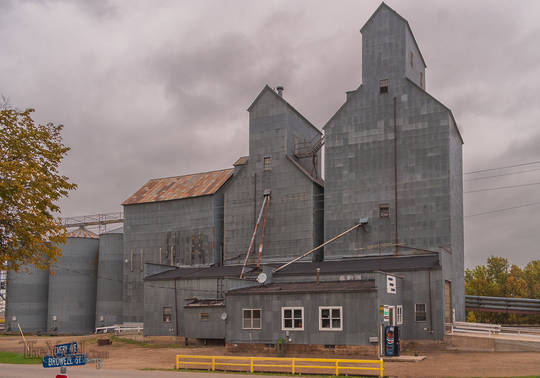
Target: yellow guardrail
(289, 364)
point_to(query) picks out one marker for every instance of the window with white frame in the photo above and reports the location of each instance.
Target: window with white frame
(251, 318)
(399, 315)
(420, 312)
(292, 318)
(331, 318)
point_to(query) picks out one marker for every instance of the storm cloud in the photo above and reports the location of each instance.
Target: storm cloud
(153, 89)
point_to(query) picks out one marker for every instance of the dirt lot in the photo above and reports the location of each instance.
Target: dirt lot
(124, 355)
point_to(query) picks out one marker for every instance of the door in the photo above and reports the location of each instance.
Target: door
(447, 301)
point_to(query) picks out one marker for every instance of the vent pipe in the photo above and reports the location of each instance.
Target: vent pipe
(280, 91)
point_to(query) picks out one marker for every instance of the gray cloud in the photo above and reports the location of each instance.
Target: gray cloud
(153, 89)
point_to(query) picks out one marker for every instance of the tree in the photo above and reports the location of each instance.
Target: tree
(500, 279)
(30, 186)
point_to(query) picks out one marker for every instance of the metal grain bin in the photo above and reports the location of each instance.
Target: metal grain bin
(27, 298)
(72, 285)
(109, 280)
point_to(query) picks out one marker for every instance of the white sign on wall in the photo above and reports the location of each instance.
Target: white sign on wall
(391, 284)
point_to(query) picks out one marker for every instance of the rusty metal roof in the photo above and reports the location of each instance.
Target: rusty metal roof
(179, 187)
(82, 232)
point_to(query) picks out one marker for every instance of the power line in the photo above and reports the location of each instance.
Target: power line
(505, 209)
(505, 167)
(501, 187)
(501, 175)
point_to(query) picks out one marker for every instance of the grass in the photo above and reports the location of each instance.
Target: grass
(17, 358)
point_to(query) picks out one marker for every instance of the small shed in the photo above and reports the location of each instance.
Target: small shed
(205, 319)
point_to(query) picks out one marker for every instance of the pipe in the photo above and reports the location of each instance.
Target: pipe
(176, 309)
(430, 307)
(395, 177)
(316, 248)
(318, 273)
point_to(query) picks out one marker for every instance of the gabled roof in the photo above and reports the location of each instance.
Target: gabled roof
(179, 187)
(316, 180)
(242, 160)
(82, 232)
(280, 98)
(353, 93)
(384, 5)
(441, 104)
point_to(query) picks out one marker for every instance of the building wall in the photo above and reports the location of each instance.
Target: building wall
(159, 294)
(360, 318)
(72, 287)
(109, 279)
(456, 224)
(27, 300)
(292, 226)
(211, 328)
(166, 232)
(360, 171)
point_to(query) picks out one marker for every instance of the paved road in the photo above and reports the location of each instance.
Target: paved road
(35, 371)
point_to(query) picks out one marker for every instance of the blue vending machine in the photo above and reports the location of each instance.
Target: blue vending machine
(391, 341)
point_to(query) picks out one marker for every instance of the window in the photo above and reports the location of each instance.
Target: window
(267, 163)
(292, 318)
(399, 315)
(204, 316)
(422, 79)
(384, 210)
(383, 86)
(167, 314)
(330, 319)
(251, 319)
(412, 59)
(420, 312)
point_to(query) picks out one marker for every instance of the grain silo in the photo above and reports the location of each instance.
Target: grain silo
(27, 298)
(72, 285)
(109, 280)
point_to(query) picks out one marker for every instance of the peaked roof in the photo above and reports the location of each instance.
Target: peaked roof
(280, 98)
(82, 232)
(384, 5)
(179, 187)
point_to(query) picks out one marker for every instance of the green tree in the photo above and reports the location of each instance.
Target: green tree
(30, 186)
(500, 279)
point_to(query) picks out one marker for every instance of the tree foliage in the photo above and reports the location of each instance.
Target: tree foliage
(30, 186)
(500, 279)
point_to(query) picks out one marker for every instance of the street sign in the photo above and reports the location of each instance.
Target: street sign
(67, 349)
(71, 360)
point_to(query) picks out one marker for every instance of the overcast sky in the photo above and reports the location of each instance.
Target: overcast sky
(151, 89)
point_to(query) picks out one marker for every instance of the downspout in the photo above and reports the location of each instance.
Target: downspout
(395, 178)
(176, 308)
(430, 307)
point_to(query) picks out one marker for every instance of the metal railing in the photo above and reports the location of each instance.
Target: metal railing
(277, 364)
(502, 304)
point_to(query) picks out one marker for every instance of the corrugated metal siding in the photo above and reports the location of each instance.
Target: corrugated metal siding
(171, 188)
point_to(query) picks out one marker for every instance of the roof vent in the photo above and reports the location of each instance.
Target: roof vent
(280, 91)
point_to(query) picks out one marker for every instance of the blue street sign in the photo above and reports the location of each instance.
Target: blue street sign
(67, 349)
(71, 360)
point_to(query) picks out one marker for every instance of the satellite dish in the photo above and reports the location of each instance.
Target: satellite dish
(261, 278)
(223, 316)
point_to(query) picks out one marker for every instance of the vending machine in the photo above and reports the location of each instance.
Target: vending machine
(391, 341)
